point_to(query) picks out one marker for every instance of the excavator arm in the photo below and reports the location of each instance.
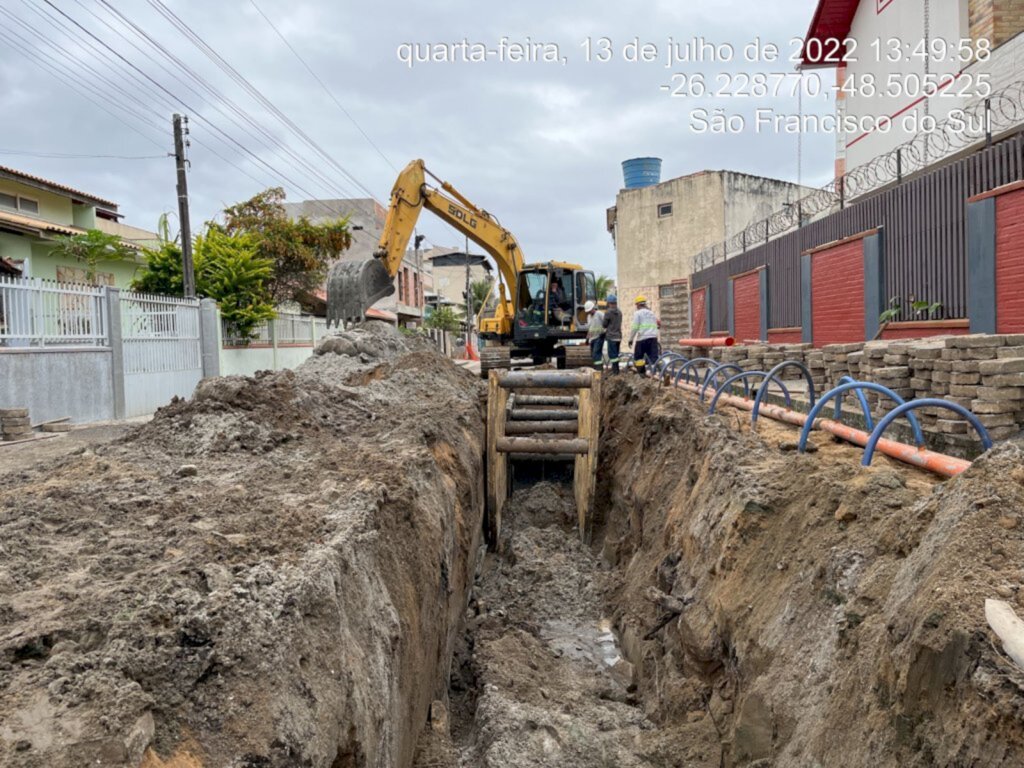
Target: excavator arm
(353, 287)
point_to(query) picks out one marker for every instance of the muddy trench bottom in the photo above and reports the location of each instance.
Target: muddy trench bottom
(538, 677)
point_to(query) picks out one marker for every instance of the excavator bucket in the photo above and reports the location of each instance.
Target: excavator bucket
(353, 287)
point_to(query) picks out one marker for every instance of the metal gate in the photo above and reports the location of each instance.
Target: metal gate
(162, 355)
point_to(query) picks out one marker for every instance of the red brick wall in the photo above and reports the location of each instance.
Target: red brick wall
(698, 311)
(1010, 262)
(746, 307)
(785, 337)
(837, 294)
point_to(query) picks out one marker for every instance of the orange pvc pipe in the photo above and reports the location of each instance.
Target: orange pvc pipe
(717, 341)
(939, 463)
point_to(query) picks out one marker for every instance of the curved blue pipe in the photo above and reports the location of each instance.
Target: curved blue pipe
(746, 389)
(771, 377)
(928, 402)
(857, 386)
(695, 361)
(838, 413)
(713, 376)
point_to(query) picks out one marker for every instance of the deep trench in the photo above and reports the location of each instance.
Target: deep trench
(539, 675)
(756, 598)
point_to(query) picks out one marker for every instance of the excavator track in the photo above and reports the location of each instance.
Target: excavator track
(494, 359)
(578, 356)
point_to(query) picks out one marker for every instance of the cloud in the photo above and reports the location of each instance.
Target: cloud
(539, 144)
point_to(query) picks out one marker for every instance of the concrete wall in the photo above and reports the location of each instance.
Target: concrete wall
(245, 361)
(707, 207)
(54, 384)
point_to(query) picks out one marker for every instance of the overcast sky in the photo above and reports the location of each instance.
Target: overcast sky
(539, 144)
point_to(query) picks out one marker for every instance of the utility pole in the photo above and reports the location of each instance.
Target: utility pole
(187, 268)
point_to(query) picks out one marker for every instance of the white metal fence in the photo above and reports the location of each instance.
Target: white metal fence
(162, 355)
(287, 328)
(39, 313)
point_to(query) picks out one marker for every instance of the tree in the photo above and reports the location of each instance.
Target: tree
(299, 250)
(604, 285)
(479, 291)
(93, 248)
(444, 319)
(228, 269)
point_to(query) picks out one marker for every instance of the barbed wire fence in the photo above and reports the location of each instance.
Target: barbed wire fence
(966, 128)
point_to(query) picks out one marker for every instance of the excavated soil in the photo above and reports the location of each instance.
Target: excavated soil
(835, 613)
(272, 573)
(286, 571)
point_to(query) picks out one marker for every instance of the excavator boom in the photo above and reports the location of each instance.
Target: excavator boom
(353, 286)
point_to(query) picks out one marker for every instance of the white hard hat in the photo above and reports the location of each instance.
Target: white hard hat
(589, 306)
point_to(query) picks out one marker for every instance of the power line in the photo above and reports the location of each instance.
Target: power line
(175, 98)
(69, 156)
(268, 140)
(254, 92)
(323, 85)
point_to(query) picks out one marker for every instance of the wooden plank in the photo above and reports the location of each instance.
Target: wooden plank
(1008, 626)
(497, 463)
(585, 477)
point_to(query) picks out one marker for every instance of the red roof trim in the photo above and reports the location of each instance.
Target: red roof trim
(832, 21)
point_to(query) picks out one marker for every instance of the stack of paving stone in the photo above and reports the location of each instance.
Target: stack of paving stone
(999, 404)
(837, 361)
(814, 359)
(754, 357)
(894, 373)
(15, 424)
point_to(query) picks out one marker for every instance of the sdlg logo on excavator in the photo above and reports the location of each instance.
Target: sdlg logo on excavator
(461, 215)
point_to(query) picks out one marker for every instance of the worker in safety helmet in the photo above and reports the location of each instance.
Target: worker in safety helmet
(644, 333)
(613, 330)
(595, 334)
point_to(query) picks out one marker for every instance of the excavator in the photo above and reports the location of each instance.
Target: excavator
(533, 310)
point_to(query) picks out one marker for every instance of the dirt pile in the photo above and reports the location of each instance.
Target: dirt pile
(270, 574)
(837, 613)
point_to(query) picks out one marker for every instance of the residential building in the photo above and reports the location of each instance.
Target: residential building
(906, 64)
(35, 211)
(448, 268)
(658, 229)
(366, 220)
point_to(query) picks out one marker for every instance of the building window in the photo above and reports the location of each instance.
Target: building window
(8, 201)
(31, 206)
(666, 291)
(664, 210)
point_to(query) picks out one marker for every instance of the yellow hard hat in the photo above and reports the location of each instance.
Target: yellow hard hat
(641, 299)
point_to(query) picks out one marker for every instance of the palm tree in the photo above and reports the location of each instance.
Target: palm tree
(479, 290)
(604, 285)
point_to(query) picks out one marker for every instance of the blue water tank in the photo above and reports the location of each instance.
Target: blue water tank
(641, 172)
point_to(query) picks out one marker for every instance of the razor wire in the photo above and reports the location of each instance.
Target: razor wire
(1000, 113)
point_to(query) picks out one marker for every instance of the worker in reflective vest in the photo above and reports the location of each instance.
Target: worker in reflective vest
(644, 336)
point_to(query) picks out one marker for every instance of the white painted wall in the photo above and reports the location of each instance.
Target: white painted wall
(904, 20)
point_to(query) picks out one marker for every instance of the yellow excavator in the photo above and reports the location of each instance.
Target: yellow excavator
(534, 310)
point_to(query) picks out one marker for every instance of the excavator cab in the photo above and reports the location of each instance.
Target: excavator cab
(549, 301)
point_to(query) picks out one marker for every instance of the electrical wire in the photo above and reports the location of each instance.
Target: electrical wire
(254, 92)
(69, 156)
(323, 85)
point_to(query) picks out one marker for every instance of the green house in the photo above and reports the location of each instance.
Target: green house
(35, 211)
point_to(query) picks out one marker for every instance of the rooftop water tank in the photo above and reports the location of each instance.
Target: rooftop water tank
(641, 172)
